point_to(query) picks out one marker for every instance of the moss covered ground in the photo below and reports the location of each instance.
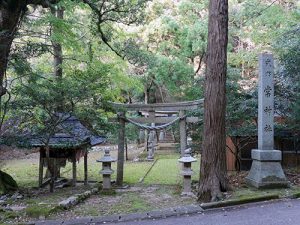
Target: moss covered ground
(161, 188)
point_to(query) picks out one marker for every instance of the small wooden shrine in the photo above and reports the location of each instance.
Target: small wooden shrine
(69, 143)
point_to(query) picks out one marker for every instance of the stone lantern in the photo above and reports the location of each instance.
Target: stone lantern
(106, 169)
(187, 172)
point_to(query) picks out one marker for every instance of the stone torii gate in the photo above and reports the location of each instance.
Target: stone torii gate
(179, 108)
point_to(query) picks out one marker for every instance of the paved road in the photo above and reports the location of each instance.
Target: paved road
(283, 212)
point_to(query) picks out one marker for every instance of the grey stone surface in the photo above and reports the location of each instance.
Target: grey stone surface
(94, 190)
(157, 214)
(170, 212)
(181, 210)
(16, 195)
(69, 202)
(17, 208)
(49, 222)
(182, 132)
(193, 208)
(106, 169)
(266, 102)
(141, 136)
(151, 144)
(87, 193)
(106, 219)
(78, 221)
(270, 213)
(30, 223)
(187, 172)
(106, 182)
(266, 174)
(235, 202)
(266, 170)
(161, 135)
(134, 216)
(75, 199)
(266, 155)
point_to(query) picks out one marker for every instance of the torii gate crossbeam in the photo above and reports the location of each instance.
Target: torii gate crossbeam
(178, 107)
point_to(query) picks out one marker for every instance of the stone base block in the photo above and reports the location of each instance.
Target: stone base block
(266, 170)
(266, 155)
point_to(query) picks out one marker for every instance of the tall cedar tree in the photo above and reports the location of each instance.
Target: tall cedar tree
(11, 13)
(213, 176)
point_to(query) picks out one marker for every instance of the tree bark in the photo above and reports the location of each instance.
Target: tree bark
(11, 12)
(121, 146)
(213, 175)
(10, 15)
(58, 57)
(57, 48)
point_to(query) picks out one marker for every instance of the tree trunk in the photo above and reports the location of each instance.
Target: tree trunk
(11, 12)
(10, 15)
(213, 175)
(57, 48)
(58, 57)
(121, 146)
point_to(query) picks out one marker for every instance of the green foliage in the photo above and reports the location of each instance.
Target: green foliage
(37, 211)
(24, 172)
(171, 168)
(8, 215)
(111, 192)
(241, 107)
(37, 99)
(92, 74)
(165, 44)
(288, 81)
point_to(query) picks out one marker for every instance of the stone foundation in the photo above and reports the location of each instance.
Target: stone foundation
(266, 170)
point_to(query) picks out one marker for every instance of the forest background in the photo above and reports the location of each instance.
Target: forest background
(144, 51)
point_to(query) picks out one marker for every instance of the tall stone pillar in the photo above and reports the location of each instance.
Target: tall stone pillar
(266, 170)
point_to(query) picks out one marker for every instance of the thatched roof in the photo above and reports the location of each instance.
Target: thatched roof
(70, 133)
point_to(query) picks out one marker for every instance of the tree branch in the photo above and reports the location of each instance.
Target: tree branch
(199, 66)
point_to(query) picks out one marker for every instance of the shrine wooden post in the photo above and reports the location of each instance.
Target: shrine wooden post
(41, 169)
(74, 168)
(85, 159)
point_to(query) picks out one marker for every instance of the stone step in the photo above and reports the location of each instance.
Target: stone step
(168, 147)
(168, 139)
(165, 152)
(173, 144)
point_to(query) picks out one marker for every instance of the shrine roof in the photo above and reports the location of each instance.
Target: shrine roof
(70, 133)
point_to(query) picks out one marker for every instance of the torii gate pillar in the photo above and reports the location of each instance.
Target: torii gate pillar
(182, 130)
